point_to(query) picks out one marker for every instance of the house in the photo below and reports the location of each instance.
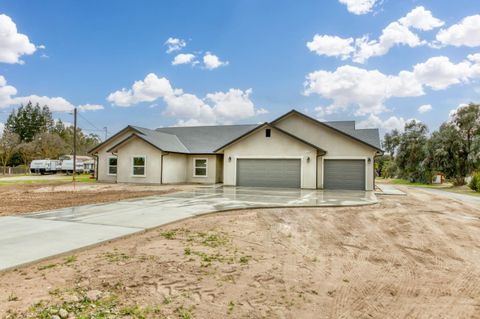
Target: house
(294, 151)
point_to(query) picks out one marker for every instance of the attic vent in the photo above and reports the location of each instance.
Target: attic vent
(267, 132)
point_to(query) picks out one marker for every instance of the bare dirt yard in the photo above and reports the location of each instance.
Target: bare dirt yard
(414, 256)
(20, 196)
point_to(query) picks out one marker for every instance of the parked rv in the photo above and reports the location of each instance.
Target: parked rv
(89, 166)
(44, 166)
(67, 166)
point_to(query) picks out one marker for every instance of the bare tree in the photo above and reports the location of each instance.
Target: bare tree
(48, 145)
(8, 145)
(27, 153)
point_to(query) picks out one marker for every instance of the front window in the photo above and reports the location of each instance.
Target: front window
(112, 166)
(200, 167)
(138, 166)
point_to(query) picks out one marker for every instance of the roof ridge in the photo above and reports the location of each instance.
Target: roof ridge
(197, 126)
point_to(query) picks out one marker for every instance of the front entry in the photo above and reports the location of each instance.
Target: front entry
(284, 173)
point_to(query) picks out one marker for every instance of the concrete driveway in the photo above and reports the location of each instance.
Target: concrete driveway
(31, 237)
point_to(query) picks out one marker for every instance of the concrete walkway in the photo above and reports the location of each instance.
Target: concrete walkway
(31, 237)
(387, 189)
(470, 199)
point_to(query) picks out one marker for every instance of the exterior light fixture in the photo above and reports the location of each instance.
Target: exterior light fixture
(229, 158)
(308, 159)
(369, 160)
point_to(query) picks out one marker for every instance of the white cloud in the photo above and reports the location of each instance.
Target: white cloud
(90, 107)
(6, 93)
(184, 58)
(439, 73)
(147, 90)
(393, 122)
(359, 6)
(349, 85)
(174, 44)
(424, 108)
(453, 112)
(212, 61)
(13, 44)
(465, 33)
(55, 104)
(331, 46)
(217, 107)
(422, 19)
(396, 33)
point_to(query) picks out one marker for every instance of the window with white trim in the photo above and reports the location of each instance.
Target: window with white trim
(112, 166)
(200, 167)
(138, 166)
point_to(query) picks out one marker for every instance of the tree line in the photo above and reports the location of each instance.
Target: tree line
(454, 149)
(31, 133)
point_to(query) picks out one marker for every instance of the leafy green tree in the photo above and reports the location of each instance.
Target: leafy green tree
(27, 121)
(391, 141)
(84, 142)
(412, 151)
(467, 121)
(8, 145)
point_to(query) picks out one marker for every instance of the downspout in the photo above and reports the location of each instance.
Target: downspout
(96, 167)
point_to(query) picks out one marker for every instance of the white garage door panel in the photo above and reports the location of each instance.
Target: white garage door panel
(269, 173)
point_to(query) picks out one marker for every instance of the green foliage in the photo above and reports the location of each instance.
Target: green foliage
(475, 182)
(389, 169)
(28, 121)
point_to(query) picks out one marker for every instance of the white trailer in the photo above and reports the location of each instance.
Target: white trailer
(45, 166)
(67, 166)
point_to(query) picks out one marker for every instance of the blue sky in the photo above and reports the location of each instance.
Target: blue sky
(245, 61)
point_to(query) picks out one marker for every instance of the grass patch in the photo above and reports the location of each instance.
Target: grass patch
(70, 259)
(230, 307)
(116, 256)
(44, 267)
(245, 259)
(168, 234)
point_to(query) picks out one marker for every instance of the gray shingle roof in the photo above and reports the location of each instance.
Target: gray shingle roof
(163, 141)
(206, 139)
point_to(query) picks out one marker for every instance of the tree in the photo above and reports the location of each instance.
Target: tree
(26, 151)
(412, 152)
(467, 121)
(84, 142)
(391, 141)
(27, 121)
(48, 145)
(8, 145)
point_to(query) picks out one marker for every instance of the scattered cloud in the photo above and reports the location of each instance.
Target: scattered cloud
(175, 44)
(90, 107)
(464, 33)
(425, 108)
(359, 6)
(212, 61)
(422, 19)
(55, 104)
(189, 109)
(13, 44)
(367, 90)
(6, 93)
(331, 46)
(184, 58)
(350, 85)
(439, 73)
(396, 33)
(391, 123)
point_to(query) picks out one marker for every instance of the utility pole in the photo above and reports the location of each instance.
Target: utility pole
(106, 133)
(74, 143)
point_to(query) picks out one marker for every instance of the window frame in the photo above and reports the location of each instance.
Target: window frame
(132, 166)
(108, 166)
(195, 167)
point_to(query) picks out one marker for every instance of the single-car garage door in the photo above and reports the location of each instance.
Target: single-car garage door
(344, 174)
(269, 173)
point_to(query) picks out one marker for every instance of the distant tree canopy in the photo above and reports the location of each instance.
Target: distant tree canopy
(453, 150)
(35, 134)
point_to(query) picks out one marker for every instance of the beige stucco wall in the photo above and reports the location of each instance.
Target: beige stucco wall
(336, 144)
(211, 169)
(174, 168)
(279, 145)
(138, 147)
(102, 164)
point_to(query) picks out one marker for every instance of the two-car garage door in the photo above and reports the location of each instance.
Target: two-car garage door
(337, 173)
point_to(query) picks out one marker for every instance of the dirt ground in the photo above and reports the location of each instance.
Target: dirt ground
(414, 256)
(17, 199)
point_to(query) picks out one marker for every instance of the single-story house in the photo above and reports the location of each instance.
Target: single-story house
(292, 151)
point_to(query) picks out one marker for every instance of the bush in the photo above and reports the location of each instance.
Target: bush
(475, 182)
